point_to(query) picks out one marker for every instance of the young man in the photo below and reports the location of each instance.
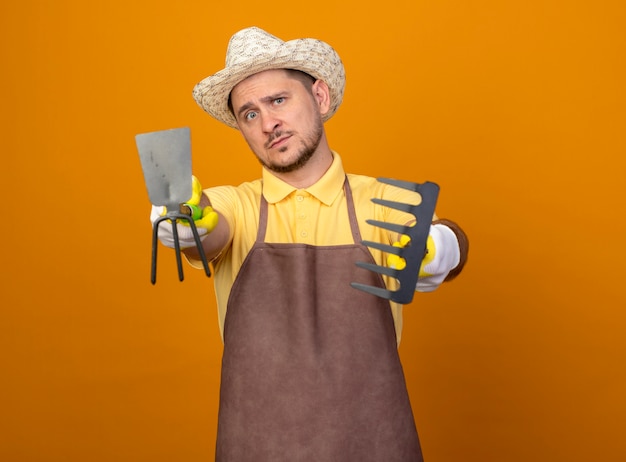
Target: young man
(310, 369)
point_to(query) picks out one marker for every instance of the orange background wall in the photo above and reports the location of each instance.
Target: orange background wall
(516, 108)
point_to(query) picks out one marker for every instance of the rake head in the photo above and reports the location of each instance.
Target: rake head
(414, 252)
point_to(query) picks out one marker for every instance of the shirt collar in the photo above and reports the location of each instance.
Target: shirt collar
(325, 189)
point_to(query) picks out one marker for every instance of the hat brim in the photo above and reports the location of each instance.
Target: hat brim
(312, 56)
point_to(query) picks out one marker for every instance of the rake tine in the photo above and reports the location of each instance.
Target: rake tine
(387, 271)
(384, 247)
(383, 293)
(196, 237)
(179, 261)
(402, 206)
(400, 183)
(155, 247)
(427, 188)
(400, 229)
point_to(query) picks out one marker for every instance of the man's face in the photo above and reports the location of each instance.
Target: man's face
(280, 118)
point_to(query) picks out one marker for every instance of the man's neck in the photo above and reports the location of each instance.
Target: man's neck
(312, 171)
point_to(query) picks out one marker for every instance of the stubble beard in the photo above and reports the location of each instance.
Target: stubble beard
(305, 153)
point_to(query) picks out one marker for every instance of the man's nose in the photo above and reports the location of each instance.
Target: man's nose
(269, 122)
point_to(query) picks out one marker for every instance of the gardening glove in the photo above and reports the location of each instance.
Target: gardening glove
(442, 256)
(205, 220)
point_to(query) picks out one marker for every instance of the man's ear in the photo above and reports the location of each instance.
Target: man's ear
(321, 93)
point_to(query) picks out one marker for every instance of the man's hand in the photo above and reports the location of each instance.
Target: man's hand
(205, 219)
(442, 256)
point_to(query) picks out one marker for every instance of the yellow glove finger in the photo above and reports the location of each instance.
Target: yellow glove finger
(395, 261)
(399, 263)
(191, 207)
(194, 200)
(196, 191)
(209, 219)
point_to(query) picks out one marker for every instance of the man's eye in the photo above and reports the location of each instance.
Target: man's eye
(251, 115)
(280, 100)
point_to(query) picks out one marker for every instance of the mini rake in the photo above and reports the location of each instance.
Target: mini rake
(414, 252)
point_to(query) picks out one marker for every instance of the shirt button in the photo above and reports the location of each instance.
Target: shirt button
(304, 234)
(299, 198)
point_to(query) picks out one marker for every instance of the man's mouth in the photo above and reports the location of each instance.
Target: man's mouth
(278, 139)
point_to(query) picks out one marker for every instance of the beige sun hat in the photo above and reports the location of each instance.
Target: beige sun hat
(253, 50)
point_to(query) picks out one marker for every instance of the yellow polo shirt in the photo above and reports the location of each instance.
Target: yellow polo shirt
(317, 215)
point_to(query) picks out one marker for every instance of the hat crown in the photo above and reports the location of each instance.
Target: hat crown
(253, 50)
(250, 43)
